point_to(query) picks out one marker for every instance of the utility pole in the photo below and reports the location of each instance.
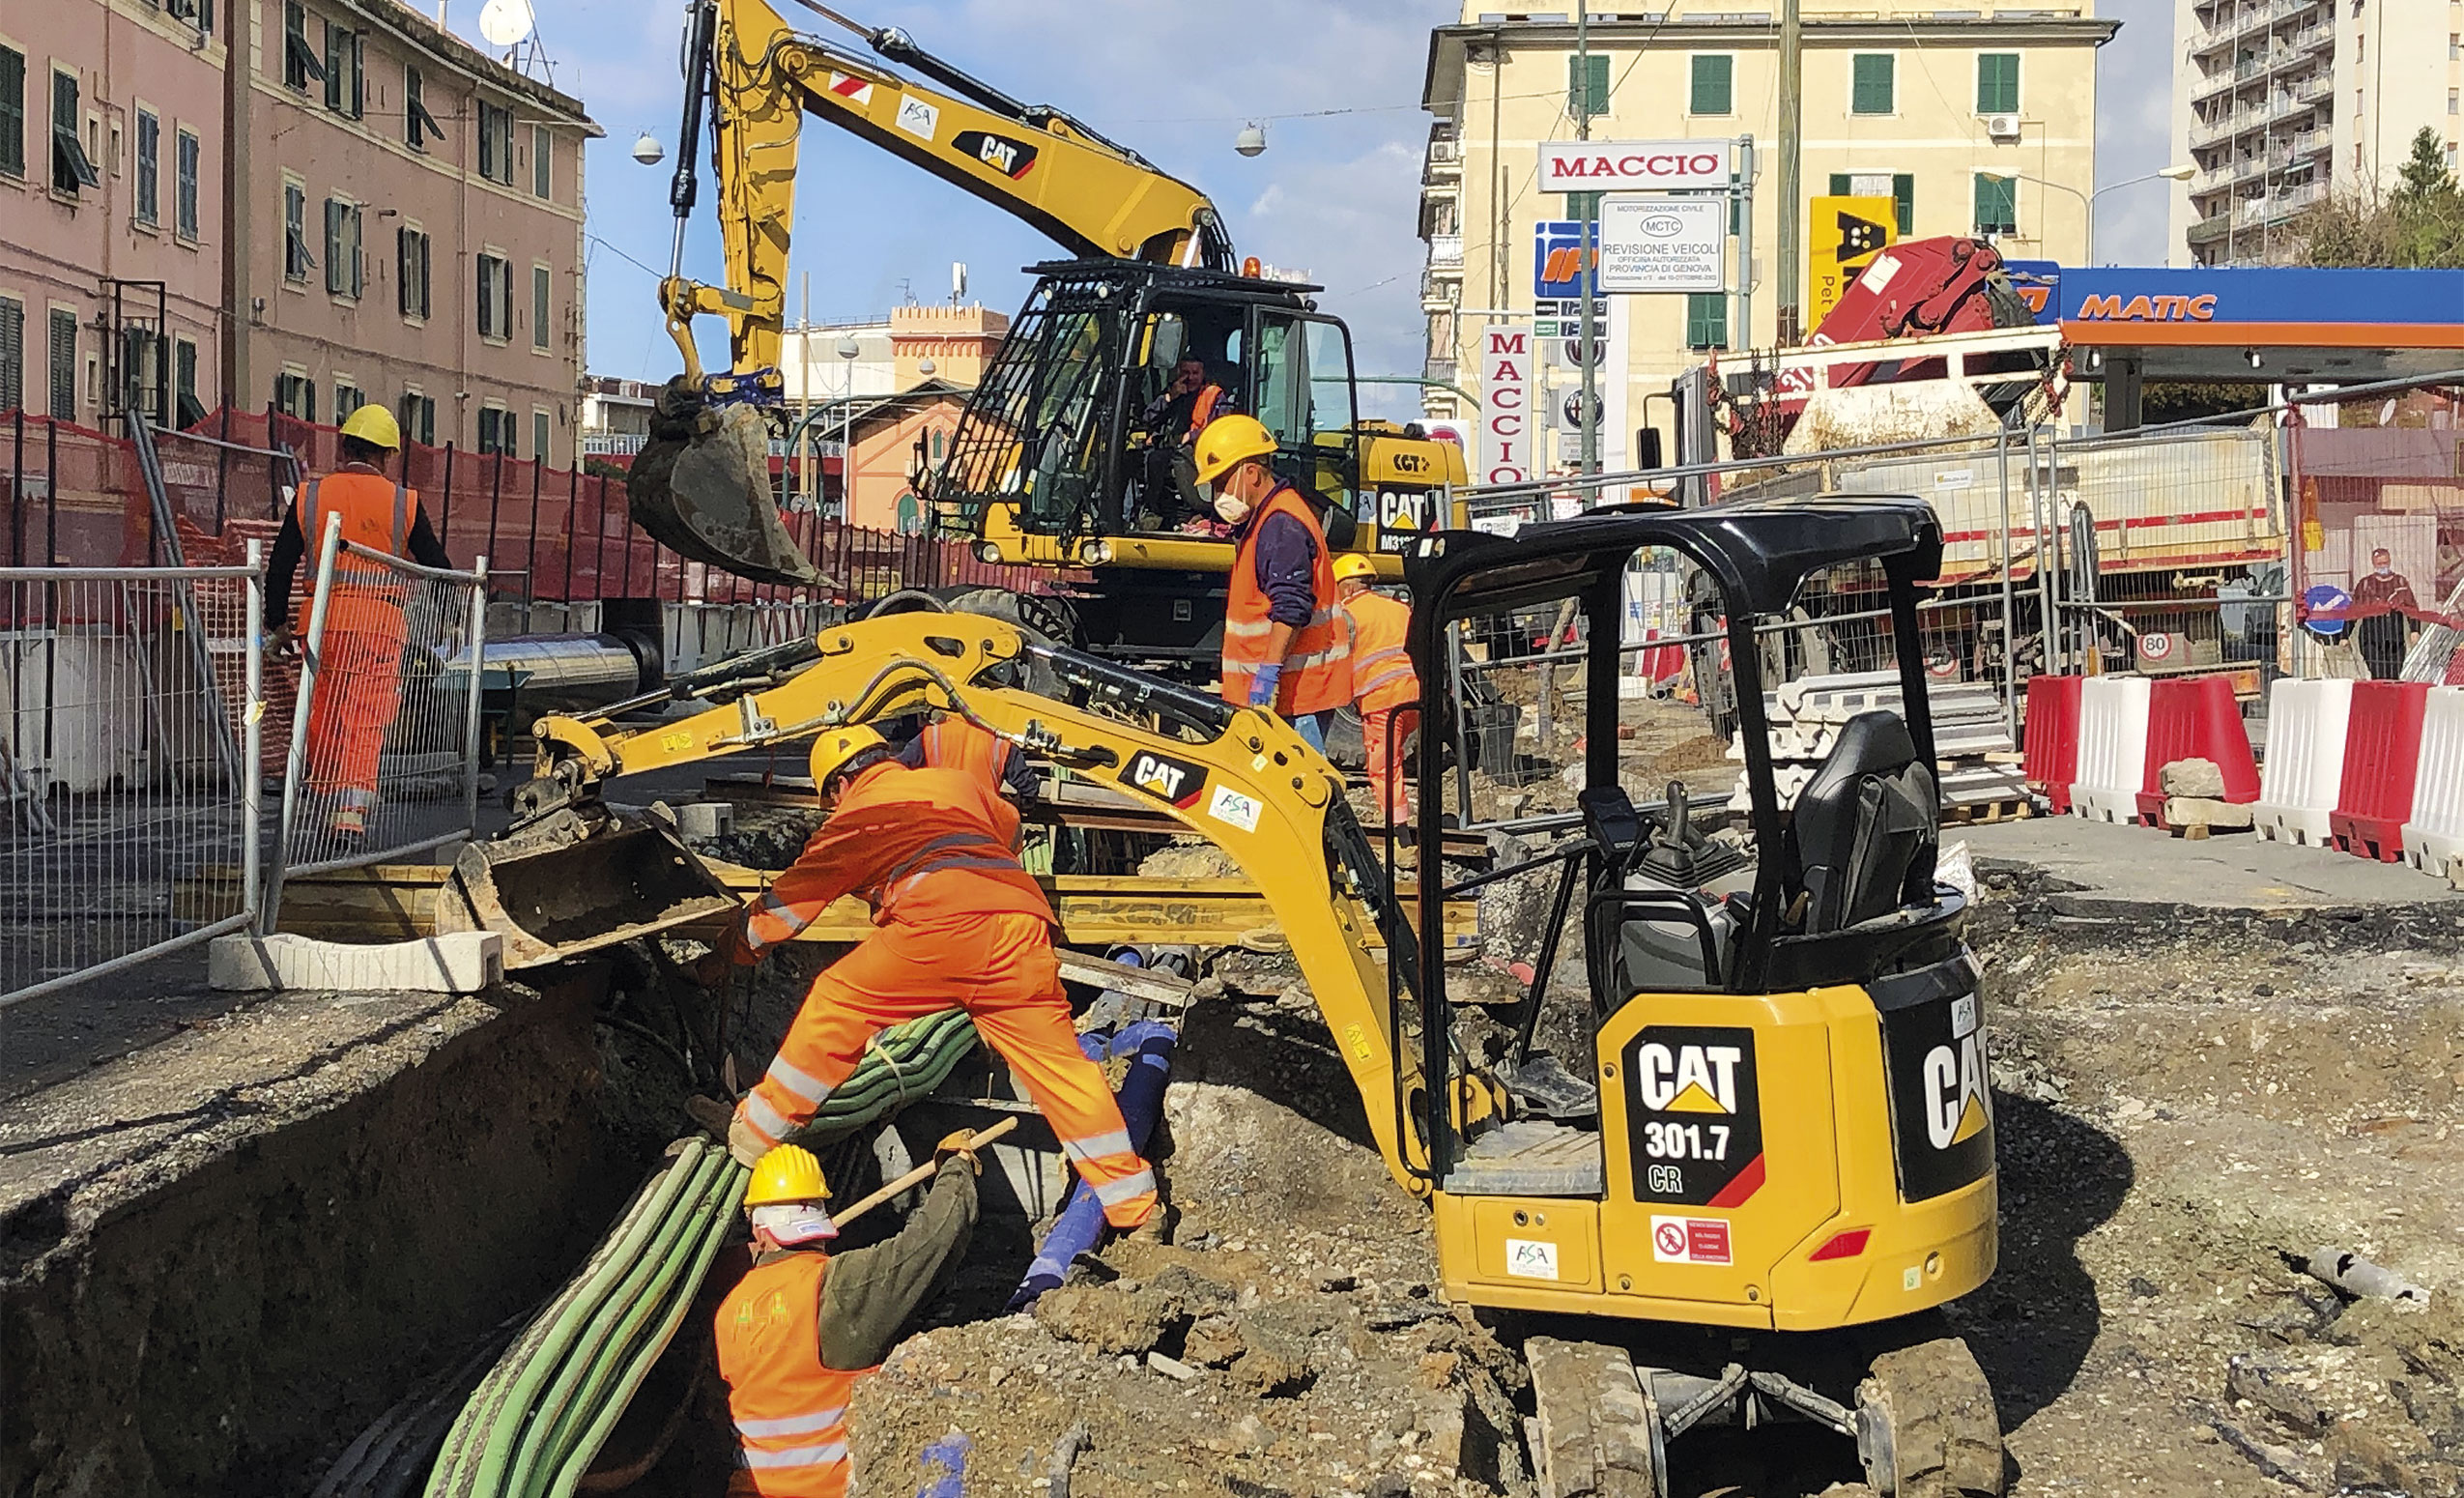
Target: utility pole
(1590, 215)
(1792, 199)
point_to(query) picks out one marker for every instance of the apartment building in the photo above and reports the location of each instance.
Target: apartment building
(1972, 122)
(2279, 101)
(110, 207)
(406, 228)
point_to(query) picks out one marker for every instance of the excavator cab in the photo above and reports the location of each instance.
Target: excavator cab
(1774, 1152)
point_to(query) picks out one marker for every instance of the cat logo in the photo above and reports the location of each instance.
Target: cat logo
(1166, 780)
(1957, 1109)
(1408, 461)
(1690, 1079)
(1010, 157)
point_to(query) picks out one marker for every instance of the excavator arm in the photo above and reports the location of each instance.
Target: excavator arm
(1245, 781)
(703, 484)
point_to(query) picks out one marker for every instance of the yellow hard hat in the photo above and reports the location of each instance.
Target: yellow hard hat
(373, 423)
(832, 751)
(1351, 564)
(1226, 441)
(787, 1173)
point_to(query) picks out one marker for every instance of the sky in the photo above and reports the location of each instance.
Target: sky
(1336, 83)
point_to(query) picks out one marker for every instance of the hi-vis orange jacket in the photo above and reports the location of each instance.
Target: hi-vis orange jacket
(921, 846)
(375, 514)
(1317, 669)
(952, 742)
(789, 1411)
(1382, 675)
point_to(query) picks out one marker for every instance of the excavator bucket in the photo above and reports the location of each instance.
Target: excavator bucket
(707, 496)
(553, 898)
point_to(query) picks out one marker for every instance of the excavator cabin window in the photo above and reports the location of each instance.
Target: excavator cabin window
(1304, 396)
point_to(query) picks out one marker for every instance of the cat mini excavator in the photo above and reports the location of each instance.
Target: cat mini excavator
(1049, 465)
(1743, 1206)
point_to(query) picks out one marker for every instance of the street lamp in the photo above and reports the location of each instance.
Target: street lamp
(2087, 200)
(848, 349)
(1251, 142)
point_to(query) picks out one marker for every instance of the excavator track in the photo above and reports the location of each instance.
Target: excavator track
(1927, 1423)
(1595, 1433)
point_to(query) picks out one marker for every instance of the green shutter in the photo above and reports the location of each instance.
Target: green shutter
(1872, 75)
(1840, 186)
(1599, 101)
(1582, 206)
(1998, 82)
(1706, 320)
(13, 112)
(1714, 84)
(1903, 199)
(1996, 204)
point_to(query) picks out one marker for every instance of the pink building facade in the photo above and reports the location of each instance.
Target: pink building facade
(111, 150)
(406, 229)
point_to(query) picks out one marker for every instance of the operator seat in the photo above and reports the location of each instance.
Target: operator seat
(1862, 841)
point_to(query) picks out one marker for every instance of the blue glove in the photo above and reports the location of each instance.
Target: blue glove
(1263, 684)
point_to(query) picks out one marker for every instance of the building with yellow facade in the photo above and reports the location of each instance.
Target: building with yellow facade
(1970, 121)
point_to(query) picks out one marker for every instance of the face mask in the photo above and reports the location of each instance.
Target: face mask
(2384, 569)
(1232, 510)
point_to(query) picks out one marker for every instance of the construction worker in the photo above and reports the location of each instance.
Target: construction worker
(803, 1324)
(359, 667)
(1285, 643)
(1385, 688)
(1172, 425)
(959, 924)
(950, 741)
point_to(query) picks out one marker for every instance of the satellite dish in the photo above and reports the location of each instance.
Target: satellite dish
(505, 22)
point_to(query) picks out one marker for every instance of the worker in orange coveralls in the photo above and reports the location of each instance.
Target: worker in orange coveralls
(958, 924)
(358, 683)
(1385, 688)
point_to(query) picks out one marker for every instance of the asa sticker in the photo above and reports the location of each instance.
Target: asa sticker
(918, 118)
(1691, 1240)
(1956, 1107)
(1531, 1258)
(1233, 809)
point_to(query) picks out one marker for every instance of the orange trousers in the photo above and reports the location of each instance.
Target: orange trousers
(358, 689)
(1001, 970)
(1384, 734)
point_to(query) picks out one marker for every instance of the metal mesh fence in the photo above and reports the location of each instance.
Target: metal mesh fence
(2378, 573)
(384, 743)
(123, 746)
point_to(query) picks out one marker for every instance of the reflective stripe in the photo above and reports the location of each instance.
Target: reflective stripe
(1233, 627)
(1117, 1143)
(798, 1455)
(932, 857)
(804, 1085)
(1391, 652)
(1113, 1193)
(1386, 677)
(777, 910)
(1325, 657)
(791, 1424)
(766, 1121)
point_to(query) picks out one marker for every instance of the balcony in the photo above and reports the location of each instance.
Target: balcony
(1438, 292)
(1446, 251)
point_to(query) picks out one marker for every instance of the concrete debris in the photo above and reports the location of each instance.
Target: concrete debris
(467, 961)
(2357, 1276)
(2194, 778)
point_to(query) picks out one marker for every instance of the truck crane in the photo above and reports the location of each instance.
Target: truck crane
(1046, 465)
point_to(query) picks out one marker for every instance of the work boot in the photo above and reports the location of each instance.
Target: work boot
(350, 825)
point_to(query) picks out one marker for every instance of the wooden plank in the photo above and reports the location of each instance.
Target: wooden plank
(1155, 988)
(395, 902)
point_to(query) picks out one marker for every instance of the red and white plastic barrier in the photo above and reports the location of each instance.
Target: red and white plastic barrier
(2197, 718)
(2434, 837)
(2051, 757)
(2112, 764)
(2305, 770)
(2382, 754)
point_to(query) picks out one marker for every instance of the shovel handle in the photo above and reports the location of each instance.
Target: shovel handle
(919, 1175)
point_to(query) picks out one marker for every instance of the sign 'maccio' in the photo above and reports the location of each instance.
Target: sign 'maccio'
(1632, 165)
(1506, 403)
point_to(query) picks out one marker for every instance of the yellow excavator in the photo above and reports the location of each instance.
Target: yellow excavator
(1049, 465)
(1776, 1162)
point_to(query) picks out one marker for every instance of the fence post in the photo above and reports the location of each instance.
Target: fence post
(470, 716)
(296, 769)
(2009, 610)
(2047, 553)
(252, 746)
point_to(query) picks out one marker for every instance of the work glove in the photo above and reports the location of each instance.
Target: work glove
(960, 1145)
(1262, 685)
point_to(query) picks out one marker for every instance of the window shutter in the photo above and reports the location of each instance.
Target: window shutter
(1998, 82)
(1996, 204)
(1714, 80)
(1872, 79)
(12, 111)
(1903, 199)
(1840, 186)
(12, 355)
(1706, 320)
(1594, 100)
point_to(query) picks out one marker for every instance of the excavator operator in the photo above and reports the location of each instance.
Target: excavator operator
(803, 1325)
(1172, 425)
(1286, 643)
(359, 678)
(1385, 688)
(958, 924)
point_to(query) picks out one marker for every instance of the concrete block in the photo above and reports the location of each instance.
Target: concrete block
(464, 962)
(704, 819)
(2192, 777)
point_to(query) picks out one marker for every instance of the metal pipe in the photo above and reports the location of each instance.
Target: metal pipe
(296, 766)
(252, 745)
(221, 928)
(471, 727)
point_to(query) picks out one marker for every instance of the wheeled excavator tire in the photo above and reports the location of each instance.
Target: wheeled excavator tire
(1929, 1425)
(1594, 1431)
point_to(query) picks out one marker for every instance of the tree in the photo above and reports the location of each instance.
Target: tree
(2419, 225)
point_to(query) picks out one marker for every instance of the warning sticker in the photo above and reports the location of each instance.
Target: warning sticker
(1530, 1258)
(1690, 1240)
(1233, 809)
(856, 91)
